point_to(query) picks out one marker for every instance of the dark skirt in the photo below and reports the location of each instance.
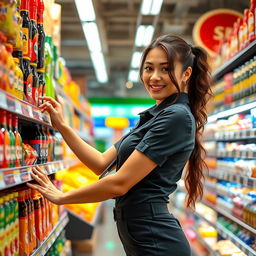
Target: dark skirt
(150, 230)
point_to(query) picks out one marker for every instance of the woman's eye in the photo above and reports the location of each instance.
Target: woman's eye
(166, 69)
(148, 68)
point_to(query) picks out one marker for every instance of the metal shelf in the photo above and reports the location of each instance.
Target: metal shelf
(238, 154)
(239, 59)
(22, 108)
(226, 234)
(50, 239)
(15, 176)
(224, 175)
(231, 217)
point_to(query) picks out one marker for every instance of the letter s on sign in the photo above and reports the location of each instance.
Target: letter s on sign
(218, 33)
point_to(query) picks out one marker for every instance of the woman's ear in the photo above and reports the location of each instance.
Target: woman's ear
(186, 74)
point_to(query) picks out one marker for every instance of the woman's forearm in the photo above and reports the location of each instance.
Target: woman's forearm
(101, 190)
(86, 153)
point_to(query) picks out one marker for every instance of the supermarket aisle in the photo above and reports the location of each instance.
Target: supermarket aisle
(108, 243)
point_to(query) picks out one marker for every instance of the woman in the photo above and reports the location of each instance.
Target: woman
(151, 157)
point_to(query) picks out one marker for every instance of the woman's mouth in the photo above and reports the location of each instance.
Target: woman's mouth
(156, 88)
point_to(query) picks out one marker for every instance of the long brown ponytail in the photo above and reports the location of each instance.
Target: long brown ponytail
(199, 92)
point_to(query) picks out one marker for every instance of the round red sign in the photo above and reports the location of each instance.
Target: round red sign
(212, 27)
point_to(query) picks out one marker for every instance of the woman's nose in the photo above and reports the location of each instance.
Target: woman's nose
(155, 75)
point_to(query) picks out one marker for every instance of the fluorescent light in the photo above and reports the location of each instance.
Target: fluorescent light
(99, 66)
(92, 36)
(232, 111)
(149, 31)
(135, 63)
(85, 10)
(133, 75)
(156, 7)
(144, 35)
(146, 7)
(151, 7)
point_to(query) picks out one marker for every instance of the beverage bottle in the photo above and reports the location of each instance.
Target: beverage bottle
(245, 28)
(18, 141)
(7, 216)
(33, 18)
(41, 85)
(12, 141)
(41, 34)
(12, 223)
(50, 145)
(3, 62)
(10, 69)
(2, 227)
(26, 28)
(1, 149)
(20, 81)
(35, 84)
(16, 223)
(43, 211)
(45, 144)
(49, 67)
(38, 215)
(19, 62)
(18, 41)
(251, 20)
(33, 218)
(4, 131)
(36, 143)
(23, 225)
(28, 80)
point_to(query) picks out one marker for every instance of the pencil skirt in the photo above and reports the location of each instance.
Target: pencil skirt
(150, 230)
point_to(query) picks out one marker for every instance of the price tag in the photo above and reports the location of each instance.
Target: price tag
(18, 108)
(3, 102)
(250, 154)
(16, 174)
(10, 103)
(29, 170)
(9, 178)
(30, 111)
(40, 115)
(35, 114)
(24, 175)
(1, 180)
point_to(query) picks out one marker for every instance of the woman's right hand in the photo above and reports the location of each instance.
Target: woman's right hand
(55, 110)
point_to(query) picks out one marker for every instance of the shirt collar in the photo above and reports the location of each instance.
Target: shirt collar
(183, 98)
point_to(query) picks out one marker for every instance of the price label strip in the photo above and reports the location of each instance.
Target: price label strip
(9, 178)
(1, 180)
(3, 101)
(10, 104)
(18, 107)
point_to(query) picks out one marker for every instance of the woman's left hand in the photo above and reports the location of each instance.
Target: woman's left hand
(45, 186)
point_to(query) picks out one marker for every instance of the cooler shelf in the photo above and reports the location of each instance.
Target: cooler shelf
(14, 176)
(48, 242)
(23, 109)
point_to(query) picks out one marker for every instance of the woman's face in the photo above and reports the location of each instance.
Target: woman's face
(156, 78)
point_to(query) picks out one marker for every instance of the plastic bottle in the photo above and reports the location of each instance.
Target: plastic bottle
(36, 143)
(43, 211)
(41, 34)
(35, 84)
(33, 18)
(41, 85)
(33, 218)
(26, 28)
(18, 141)
(3, 62)
(20, 81)
(49, 67)
(1, 149)
(23, 225)
(12, 141)
(7, 216)
(12, 223)
(10, 69)
(4, 131)
(2, 227)
(251, 20)
(245, 28)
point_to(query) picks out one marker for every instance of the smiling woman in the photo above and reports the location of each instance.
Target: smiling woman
(151, 157)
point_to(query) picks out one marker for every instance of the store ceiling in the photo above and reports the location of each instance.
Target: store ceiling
(117, 20)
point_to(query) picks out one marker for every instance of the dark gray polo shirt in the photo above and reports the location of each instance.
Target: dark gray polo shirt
(166, 134)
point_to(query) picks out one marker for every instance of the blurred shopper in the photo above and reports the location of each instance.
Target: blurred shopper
(150, 158)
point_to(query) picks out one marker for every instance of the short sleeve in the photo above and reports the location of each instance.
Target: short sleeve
(117, 144)
(171, 132)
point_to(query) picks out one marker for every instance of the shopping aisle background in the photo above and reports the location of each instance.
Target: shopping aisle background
(107, 240)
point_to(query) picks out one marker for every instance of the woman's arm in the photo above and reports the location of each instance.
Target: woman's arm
(131, 172)
(91, 157)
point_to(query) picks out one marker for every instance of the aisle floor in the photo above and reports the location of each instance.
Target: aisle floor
(108, 242)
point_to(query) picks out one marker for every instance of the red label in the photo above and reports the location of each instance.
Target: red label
(28, 86)
(213, 27)
(35, 95)
(34, 48)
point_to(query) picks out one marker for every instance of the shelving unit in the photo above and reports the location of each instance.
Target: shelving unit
(23, 109)
(48, 242)
(222, 175)
(16, 176)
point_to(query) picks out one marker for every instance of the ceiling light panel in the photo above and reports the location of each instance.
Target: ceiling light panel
(136, 57)
(91, 33)
(85, 10)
